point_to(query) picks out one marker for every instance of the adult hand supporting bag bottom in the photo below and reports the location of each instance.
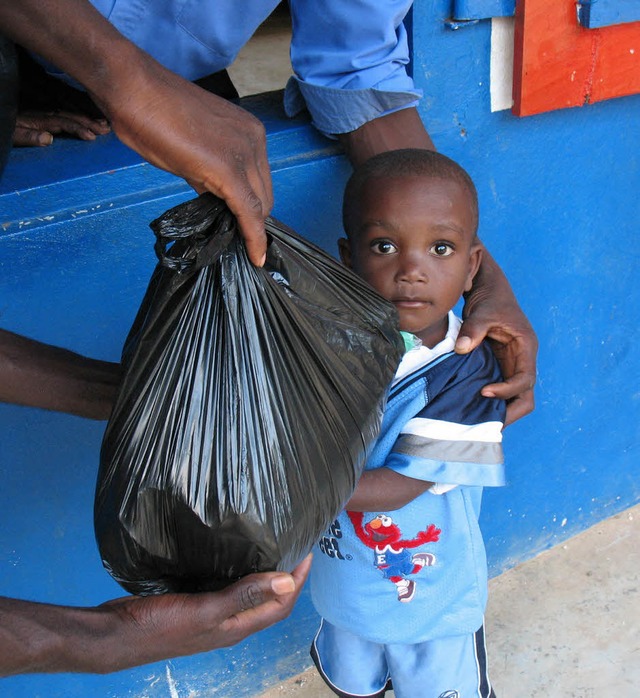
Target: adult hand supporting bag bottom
(249, 401)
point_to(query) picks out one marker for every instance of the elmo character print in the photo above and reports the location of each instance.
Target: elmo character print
(392, 555)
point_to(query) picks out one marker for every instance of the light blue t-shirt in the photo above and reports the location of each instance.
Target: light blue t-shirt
(349, 57)
(419, 573)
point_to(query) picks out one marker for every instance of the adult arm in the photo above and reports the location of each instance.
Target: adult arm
(131, 631)
(350, 62)
(400, 129)
(175, 125)
(491, 309)
(40, 375)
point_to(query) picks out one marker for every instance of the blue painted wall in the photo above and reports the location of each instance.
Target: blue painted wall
(560, 212)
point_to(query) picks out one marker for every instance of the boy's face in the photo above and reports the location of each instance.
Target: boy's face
(414, 242)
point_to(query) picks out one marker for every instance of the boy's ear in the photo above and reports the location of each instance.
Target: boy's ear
(475, 258)
(344, 248)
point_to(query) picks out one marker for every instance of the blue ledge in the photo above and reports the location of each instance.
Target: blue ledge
(603, 13)
(482, 9)
(71, 179)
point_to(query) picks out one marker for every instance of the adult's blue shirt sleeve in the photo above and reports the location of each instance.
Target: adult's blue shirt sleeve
(349, 57)
(350, 62)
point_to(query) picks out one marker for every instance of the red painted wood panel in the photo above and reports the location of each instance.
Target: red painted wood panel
(558, 63)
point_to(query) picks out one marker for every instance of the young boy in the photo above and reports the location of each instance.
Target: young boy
(400, 578)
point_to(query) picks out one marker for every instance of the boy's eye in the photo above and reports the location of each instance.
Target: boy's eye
(383, 247)
(442, 249)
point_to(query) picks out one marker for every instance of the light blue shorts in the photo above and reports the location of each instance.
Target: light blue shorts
(451, 667)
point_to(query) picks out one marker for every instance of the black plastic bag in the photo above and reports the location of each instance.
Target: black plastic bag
(249, 402)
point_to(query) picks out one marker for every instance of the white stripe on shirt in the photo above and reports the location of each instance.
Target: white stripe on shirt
(451, 431)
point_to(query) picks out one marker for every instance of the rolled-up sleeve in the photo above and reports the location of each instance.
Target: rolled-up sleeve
(350, 62)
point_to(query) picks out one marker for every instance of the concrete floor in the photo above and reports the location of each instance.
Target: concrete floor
(263, 65)
(563, 625)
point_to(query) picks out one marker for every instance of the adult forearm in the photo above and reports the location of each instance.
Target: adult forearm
(490, 288)
(401, 129)
(490, 279)
(213, 144)
(45, 638)
(135, 630)
(71, 34)
(492, 311)
(39, 375)
(37, 638)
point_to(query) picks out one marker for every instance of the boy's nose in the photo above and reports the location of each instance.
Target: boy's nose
(411, 270)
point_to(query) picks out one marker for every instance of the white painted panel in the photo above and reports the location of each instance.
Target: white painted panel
(501, 67)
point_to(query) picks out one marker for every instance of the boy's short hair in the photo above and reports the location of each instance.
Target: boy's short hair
(400, 163)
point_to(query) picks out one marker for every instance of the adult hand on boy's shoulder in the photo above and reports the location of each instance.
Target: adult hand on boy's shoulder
(515, 345)
(492, 312)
